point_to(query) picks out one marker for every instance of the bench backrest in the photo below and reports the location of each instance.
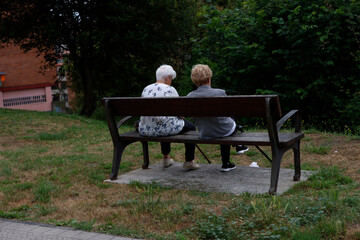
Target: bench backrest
(234, 106)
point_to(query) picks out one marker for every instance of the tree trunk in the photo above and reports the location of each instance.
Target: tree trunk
(89, 104)
(88, 78)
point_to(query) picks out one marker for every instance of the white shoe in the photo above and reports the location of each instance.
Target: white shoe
(167, 162)
(190, 165)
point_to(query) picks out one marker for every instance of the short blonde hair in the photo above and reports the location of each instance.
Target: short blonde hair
(200, 74)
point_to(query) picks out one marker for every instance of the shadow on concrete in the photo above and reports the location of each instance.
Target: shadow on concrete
(209, 178)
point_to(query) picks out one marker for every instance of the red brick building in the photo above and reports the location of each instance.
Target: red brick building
(25, 86)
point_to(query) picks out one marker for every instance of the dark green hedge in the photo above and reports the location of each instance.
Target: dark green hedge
(307, 52)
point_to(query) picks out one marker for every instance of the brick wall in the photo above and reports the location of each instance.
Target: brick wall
(23, 69)
(25, 87)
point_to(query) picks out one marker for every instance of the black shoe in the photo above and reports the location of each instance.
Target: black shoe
(241, 149)
(227, 167)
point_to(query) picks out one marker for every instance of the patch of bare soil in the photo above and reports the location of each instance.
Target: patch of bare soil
(344, 153)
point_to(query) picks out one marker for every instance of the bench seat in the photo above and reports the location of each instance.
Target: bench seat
(239, 138)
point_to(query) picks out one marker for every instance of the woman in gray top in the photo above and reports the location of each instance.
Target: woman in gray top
(213, 127)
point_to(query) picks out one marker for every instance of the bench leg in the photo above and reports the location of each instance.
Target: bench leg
(118, 151)
(275, 170)
(146, 155)
(296, 150)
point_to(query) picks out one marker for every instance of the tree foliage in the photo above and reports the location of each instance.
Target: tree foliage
(114, 46)
(307, 52)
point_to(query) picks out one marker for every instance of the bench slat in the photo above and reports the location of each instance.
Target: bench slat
(232, 106)
(245, 138)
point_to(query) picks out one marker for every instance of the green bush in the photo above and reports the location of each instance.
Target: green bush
(307, 52)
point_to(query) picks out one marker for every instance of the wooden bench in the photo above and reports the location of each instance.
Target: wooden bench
(263, 106)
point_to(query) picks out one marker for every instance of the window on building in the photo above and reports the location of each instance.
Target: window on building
(24, 100)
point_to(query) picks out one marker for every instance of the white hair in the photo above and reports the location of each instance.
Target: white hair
(164, 71)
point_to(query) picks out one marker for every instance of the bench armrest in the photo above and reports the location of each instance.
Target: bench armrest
(122, 121)
(297, 120)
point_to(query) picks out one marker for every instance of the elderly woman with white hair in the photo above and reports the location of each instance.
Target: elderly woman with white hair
(156, 126)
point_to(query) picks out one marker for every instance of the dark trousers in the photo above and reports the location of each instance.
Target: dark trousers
(225, 149)
(189, 147)
(225, 153)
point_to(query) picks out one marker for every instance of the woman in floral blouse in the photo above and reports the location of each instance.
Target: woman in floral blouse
(155, 126)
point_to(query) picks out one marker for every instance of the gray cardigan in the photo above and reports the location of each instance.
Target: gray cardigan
(212, 127)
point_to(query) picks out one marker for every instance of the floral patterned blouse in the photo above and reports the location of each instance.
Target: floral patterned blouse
(155, 126)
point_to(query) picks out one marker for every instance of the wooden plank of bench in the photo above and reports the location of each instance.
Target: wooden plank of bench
(245, 138)
(230, 106)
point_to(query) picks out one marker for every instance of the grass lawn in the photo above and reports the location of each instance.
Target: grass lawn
(52, 169)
